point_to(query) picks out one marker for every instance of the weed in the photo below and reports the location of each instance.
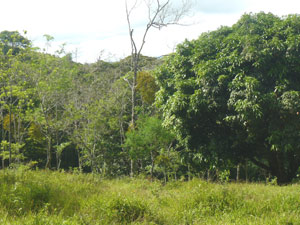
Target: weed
(44, 197)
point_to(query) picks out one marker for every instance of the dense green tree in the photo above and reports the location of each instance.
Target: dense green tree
(233, 94)
(148, 141)
(15, 93)
(13, 40)
(146, 86)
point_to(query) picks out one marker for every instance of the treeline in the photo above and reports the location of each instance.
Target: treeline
(57, 113)
(223, 106)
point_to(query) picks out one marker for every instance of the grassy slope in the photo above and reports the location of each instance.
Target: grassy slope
(39, 197)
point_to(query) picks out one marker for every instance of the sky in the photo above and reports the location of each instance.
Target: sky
(97, 29)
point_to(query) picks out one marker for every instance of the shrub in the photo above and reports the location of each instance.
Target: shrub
(127, 210)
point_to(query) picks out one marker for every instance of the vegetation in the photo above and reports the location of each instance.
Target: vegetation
(233, 94)
(224, 106)
(43, 197)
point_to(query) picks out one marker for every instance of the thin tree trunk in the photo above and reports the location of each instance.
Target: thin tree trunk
(19, 137)
(208, 175)
(58, 155)
(152, 166)
(9, 133)
(158, 12)
(58, 160)
(79, 159)
(135, 61)
(93, 164)
(49, 157)
(59, 164)
(3, 138)
(165, 175)
(131, 168)
(238, 172)
(189, 173)
(246, 171)
(77, 150)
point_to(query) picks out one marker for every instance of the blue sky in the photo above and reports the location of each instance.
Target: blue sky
(98, 28)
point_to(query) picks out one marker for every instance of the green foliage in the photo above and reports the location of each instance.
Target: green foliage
(148, 142)
(224, 176)
(127, 210)
(146, 86)
(13, 40)
(43, 197)
(233, 94)
(34, 132)
(150, 135)
(23, 192)
(230, 97)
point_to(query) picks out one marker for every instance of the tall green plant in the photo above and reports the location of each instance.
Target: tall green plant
(232, 94)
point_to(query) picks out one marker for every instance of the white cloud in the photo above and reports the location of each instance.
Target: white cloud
(94, 25)
(277, 7)
(221, 6)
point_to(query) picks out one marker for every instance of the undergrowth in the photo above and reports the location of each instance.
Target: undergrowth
(45, 197)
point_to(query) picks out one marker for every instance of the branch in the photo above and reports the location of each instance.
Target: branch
(128, 12)
(130, 85)
(151, 23)
(160, 14)
(260, 164)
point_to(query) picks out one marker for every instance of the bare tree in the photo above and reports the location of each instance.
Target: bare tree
(160, 13)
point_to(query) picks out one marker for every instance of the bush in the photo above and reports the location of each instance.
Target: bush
(27, 191)
(127, 210)
(44, 197)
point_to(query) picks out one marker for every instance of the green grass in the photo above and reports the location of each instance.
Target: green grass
(44, 197)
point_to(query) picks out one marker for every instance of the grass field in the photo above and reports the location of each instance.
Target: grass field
(43, 197)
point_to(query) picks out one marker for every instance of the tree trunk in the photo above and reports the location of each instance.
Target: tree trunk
(9, 134)
(135, 61)
(3, 138)
(58, 155)
(79, 159)
(49, 156)
(165, 175)
(58, 160)
(284, 175)
(131, 168)
(152, 166)
(238, 172)
(276, 167)
(246, 171)
(19, 136)
(189, 172)
(208, 175)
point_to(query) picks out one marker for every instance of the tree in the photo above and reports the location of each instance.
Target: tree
(13, 40)
(161, 13)
(51, 78)
(146, 86)
(14, 89)
(98, 113)
(148, 141)
(232, 95)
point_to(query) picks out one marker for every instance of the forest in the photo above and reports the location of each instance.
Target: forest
(222, 107)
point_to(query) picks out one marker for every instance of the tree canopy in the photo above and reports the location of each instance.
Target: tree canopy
(13, 40)
(233, 94)
(224, 103)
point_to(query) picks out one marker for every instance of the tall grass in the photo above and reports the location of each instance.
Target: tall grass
(44, 197)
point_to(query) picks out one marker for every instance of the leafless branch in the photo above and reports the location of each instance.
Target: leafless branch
(128, 13)
(128, 82)
(160, 14)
